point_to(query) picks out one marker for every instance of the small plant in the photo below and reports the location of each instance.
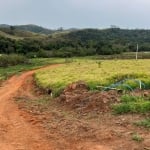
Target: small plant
(137, 137)
(99, 64)
(144, 123)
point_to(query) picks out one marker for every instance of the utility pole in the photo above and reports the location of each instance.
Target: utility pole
(137, 50)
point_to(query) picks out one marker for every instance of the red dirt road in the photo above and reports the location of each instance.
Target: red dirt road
(16, 133)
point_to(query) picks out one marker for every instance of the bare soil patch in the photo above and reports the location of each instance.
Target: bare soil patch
(78, 97)
(82, 120)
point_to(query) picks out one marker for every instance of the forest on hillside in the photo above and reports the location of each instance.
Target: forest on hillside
(83, 42)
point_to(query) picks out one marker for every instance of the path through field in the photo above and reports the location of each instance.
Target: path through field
(16, 133)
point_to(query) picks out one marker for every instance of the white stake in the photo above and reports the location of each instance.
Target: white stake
(137, 50)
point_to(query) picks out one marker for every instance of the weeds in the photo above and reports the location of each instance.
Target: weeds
(132, 104)
(99, 64)
(144, 123)
(137, 137)
(129, 98)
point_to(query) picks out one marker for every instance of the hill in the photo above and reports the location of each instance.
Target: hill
(4, 26)
(73, 42)
(15, 33)
(109, 39)
(30, 28)
(34, 28)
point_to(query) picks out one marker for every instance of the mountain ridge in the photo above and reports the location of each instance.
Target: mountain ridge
(29, 27)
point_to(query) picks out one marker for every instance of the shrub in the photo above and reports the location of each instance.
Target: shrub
(11, 60)
(44, 54)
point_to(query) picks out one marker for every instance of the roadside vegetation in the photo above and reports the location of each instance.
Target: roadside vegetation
(96, 74)
(132, 104)
(12, 60)
(137, 137)
(144, 123)
(5, 72)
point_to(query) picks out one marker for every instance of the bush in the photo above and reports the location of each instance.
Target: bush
(44, 54)
(12, 60)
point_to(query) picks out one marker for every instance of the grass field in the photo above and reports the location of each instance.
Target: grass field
(95, 73)
(34, 63)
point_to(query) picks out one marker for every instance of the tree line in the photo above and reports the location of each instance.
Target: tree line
(79, 43)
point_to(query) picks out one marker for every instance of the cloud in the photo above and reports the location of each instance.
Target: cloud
(77, 13)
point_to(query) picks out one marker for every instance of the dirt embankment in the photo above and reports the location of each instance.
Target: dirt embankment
(78, 97)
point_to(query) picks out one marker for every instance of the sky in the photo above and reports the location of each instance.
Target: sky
(76, 13)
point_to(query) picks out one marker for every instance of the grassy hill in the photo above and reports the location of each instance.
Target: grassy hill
(29, 27)
(18, 34)
(3, 34)
(34, 28)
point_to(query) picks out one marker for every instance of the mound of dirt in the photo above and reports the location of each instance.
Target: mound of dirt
(77, 96)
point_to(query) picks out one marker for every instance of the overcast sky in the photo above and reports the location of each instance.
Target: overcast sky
(76, 13)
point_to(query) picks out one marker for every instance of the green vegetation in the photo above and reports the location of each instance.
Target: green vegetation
(95, 74)
(144, 123)
(137, 137)
(34, 28)
(129, 98)
(12, 60)
(34, 63)
(62, 43)
(132, 104)
(136, 107)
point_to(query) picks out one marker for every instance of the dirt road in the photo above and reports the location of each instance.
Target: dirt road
(16, 132)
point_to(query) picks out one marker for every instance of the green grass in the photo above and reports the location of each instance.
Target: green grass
(34, 63)
(95, 73)
(126, 55)
(144, 123)
(132, 104)
(137, 137)
(136, 107)
(129, 98)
